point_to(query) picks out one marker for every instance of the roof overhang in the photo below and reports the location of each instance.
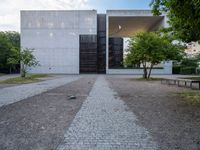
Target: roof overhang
(126, 23)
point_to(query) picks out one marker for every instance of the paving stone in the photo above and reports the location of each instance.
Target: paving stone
(13, 94)
(103, 122)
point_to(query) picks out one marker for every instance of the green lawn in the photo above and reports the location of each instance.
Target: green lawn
(28, 79)
(1, 74)
(191, 97)
(193, 78)
(150, 79)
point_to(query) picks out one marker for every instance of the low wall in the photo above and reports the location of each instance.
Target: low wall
(167, 70)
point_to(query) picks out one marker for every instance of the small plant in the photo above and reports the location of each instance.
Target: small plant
(25, 57)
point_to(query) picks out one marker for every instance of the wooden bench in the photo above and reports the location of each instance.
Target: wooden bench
(186, 82)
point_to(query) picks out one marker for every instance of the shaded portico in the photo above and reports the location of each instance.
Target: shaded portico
(127, 23)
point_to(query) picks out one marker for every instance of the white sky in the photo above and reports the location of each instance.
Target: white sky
(10, 9)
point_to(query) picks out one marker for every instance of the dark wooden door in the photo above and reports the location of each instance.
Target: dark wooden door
(88, 54)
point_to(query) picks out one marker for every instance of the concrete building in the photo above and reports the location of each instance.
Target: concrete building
(77, 41)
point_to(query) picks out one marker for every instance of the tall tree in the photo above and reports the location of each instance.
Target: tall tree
(5, 47)
(184, 17)
(150, 49)
(8, 40)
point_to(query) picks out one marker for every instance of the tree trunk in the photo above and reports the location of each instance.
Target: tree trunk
(145, 73)
(150, 71)
(145, 70)
(23, 71)
(10, 69)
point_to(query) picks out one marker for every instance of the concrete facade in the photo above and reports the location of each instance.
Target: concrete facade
(54, 36)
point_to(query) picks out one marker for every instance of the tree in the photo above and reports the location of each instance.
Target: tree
(5, 47)
(25, 57)
(8, 40)
(184, 17)
(12, 37)
(150, 49)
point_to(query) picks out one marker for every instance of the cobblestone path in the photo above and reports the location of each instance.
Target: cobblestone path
(13, 94)
(104, 123)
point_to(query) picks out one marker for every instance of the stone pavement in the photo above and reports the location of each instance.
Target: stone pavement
(8, 76)
(16, 93)
(104, 123)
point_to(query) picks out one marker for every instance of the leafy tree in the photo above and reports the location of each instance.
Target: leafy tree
(5, 47)
(184, 17)
(8, 40)
(150, 49)
(189, 62)
(26, 57)
(13, 37)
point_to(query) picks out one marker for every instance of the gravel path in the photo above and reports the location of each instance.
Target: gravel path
(39, 122)
(13, 94)
(171, 121)
(5, 77)
(103, 123)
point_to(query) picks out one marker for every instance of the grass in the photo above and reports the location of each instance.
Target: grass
(30, 78)
(1, 74)
(150, 79)
(192, 78)
(191, 97)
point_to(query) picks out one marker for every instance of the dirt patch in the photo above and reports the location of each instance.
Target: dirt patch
(39, 122)
(170, 120)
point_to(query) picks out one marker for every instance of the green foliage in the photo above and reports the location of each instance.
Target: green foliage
(176, 69)
(8, 42)
(150, 49)
(186, 66)
(30, 78)
(5, 47)
(27, 59)
(189, 62)
(188, 70)
(12, 37)
(184, 17)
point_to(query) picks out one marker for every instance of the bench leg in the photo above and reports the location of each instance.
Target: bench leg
(191, 85)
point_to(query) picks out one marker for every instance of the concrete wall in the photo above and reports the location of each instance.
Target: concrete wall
(167, 70)
(55, 37)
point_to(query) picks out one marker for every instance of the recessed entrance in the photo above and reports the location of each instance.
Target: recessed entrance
(121, 27)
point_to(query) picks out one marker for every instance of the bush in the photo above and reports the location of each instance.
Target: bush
(188, 70)
(198, 71)
(176, 69)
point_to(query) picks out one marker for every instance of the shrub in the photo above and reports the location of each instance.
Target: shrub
(188, 70)
(176, 69)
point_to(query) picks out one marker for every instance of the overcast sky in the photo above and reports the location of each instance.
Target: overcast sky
(10, 9)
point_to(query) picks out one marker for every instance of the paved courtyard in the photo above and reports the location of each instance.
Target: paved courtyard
(104, 123)
(107, 113)
(16, 93)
